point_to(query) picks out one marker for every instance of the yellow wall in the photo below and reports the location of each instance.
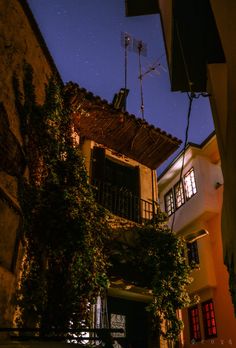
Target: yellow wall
(222, 87)
(145, 172)
(224, 312)
(203, 211)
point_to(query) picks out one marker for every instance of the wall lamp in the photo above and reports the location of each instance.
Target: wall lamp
(192, 237)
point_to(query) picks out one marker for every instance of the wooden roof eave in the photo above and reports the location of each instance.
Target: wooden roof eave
(124, 133)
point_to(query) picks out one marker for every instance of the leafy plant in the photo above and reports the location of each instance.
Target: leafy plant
(67, 244)
(64, 267)
(155, 260)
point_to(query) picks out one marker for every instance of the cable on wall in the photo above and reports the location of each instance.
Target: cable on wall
(191, 96)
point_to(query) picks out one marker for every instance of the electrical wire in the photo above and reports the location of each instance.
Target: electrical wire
(191, 96)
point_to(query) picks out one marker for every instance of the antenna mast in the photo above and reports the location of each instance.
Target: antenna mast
(126, 41)
(141, 48)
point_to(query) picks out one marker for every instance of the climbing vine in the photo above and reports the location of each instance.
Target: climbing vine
(64, 267)
(67, 249)
(156, 260)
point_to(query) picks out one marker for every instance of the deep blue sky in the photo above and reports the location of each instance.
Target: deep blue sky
(84, 38)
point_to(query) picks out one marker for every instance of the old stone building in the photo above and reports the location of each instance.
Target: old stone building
(20, 42)
(121, 154)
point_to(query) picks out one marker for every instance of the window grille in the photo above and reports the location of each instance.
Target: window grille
(190, 184)
(209, 321)
(169, 203)
(194, 324)
(179, 194)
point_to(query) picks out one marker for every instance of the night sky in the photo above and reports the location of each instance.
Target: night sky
(84, 38)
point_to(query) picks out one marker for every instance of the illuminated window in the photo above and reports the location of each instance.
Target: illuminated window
(169, 203)
(209, 319)
(190, 184)
(194, 325)
(193, 257)
(179, 194)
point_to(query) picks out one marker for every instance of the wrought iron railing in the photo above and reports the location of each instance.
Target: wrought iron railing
(123, 203)
(72, 336)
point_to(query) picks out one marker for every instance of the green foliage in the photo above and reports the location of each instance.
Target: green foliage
(156, 260)
(64, 265)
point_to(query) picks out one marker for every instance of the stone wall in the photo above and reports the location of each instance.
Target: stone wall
(20, 41)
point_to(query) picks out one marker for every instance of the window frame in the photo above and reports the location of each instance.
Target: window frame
(211, 318)
(172, 206)
(194, 324)
(192, 182)
(180, 192)
(193, 254)
(184, 195)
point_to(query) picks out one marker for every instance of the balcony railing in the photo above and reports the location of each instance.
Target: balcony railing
(123, 203)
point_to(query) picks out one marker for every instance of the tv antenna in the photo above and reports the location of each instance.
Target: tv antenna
(119, 100)
(129, 43)
(141, 48)
(126, 42)
(155, 67)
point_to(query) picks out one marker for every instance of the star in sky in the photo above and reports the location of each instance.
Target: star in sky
(84, 38)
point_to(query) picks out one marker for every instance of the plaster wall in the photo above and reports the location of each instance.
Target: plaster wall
(200, 205)
(210, 279)
(146, 174)
(204, 276)
(211, 260)
(222, 87)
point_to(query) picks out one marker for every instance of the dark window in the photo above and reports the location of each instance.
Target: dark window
(98, 164)
(190, 184)
(194, 325)
(193, 257)
(116, 185)
(169, 203)
(209, 321)
(179, 194)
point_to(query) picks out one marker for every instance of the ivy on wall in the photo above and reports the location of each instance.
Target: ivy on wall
(64, 267)
(67, 244)
(156, 260)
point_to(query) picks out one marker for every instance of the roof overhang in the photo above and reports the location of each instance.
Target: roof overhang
(141, 7)
(194, 43)
(97, 120)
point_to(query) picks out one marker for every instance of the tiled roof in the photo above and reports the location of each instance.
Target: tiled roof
(122, 132)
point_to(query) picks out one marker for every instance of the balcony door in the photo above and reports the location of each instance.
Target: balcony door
(118, 185)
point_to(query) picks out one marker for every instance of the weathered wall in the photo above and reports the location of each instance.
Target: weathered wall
(148, 184)
(19, 41)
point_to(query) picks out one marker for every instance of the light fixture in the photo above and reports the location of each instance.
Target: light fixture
(192, 237)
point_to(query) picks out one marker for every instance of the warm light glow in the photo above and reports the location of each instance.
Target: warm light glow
(192, 237)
